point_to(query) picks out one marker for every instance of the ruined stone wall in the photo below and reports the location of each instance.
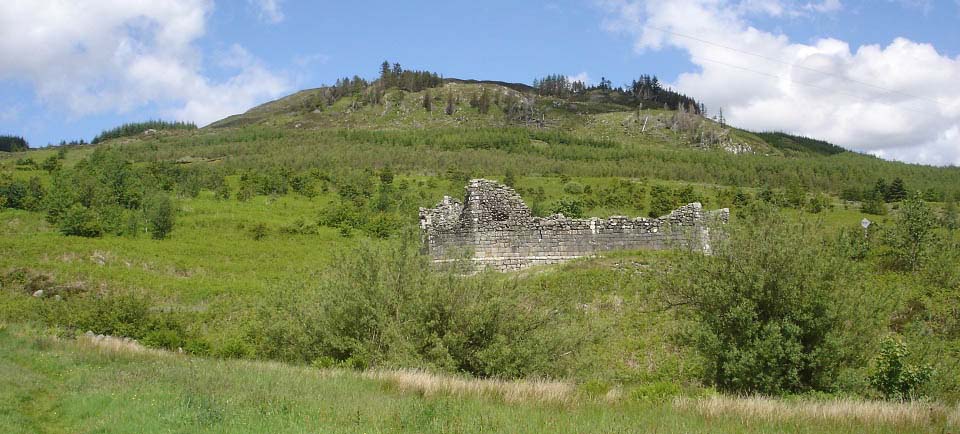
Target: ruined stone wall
(495, 228)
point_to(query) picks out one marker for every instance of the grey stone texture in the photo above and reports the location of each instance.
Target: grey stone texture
(495, 228)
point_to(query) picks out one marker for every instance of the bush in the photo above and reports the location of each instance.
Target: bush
(766, 308)
(893, 377)
(259, 231)
(573, 188)
(874, 204)
(80, 221)
(384, 306)
(569, 208)
(910, 239)
(662, 201)
(656, 392)
(159, 212)
(819, 203)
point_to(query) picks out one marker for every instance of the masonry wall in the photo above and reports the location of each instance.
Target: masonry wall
(494, 228)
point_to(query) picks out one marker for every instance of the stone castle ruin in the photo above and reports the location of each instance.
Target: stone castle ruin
(495, 228)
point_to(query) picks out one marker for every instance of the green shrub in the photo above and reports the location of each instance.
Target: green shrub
(366, 314)
(819, 203)
(573, 188)
(874, 204)
(658, 392)
(909, 240)
(569, 208)
(259, 231)
(893, 377)
(662, 201)
(159, 212)
(766, 307)
(80, 221)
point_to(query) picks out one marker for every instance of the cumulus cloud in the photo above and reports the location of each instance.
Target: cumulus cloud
(103, 56)
(581, 77)
(900, 100)
(269, 10)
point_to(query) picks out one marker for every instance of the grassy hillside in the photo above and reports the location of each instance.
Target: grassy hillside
(66, 385)
(291, 236)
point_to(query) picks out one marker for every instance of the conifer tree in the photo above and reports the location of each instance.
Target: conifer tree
(950, 218)
(484, 103)
(896, 191)
(427, 100)
(451, 104)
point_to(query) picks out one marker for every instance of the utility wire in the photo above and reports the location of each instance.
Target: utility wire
(861, 98)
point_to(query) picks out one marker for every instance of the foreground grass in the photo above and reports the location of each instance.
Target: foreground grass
(82, 385)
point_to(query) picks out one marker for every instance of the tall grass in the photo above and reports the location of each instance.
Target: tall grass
(101, 385)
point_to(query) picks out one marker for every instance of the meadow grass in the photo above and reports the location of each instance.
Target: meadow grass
(89, 385)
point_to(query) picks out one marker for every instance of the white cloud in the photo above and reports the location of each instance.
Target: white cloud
(824, 6)
(269, 10)
(899, 101)
(581, 77)
(103, 56)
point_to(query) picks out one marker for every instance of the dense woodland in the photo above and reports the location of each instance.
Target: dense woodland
(132, 129)
(647, 91)
(13, 144)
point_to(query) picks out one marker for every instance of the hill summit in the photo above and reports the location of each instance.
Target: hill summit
(644, 112)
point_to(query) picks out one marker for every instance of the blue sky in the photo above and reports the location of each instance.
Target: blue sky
(877, 76)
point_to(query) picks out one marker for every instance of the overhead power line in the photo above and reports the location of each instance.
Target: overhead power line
(861, 98)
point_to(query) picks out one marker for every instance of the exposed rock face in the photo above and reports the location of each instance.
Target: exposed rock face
(495, 228)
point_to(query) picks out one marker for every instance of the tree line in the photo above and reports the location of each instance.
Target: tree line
(646, 91)
(133, 129)
(13, 144)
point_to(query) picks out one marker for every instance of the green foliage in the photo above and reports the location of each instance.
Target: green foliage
(662, 200)
(896, 191)
(950, 219)
(408, 80)
(620, 194)
(819, 203)
(80, 221)
(796, 196)
(384, 307)
(687, 194)
(52, 163)
(893, 377)
(573, 188)
(13, 144)
(874, 204)
(259, 231)
(138, 392)
(160, 215)
(133, 129)
(657, 392)
(22, 194)
(510, 179)
(800, 144)
(427, 101)
(572, 208)
(909, 239)
(767, 308)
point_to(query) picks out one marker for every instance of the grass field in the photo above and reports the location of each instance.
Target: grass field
(85, 385)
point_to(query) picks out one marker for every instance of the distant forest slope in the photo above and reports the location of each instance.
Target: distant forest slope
(799, 143)
(132, 129)
(420, 121)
